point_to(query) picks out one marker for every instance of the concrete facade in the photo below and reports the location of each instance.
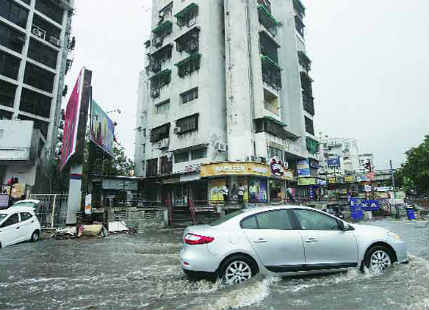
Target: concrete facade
(42, 28)
(247, 103)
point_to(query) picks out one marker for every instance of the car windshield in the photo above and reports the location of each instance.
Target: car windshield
(226, 218)
(24, 204)
(2, 216)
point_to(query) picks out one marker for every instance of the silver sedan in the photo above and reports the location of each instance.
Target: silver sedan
(285, 240)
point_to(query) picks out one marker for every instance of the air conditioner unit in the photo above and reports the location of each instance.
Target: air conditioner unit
(164, 143)
(177, 130)
(221, 147)
(157, 41)
(38, 32)
(55, 41)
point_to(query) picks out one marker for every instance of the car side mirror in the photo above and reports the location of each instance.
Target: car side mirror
(341, 225)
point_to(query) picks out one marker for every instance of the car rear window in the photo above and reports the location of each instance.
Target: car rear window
(225, 218)
(276, 219)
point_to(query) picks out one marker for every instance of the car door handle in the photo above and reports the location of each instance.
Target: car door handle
(17, 228)
(311, 239)
(260, 240)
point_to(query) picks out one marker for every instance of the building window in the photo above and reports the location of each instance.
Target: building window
(159, 133)
(181, 157)
(299, 8)
(160, 32)
(7, 94)
(166, 11)
(166, 165)
(304, 61)
(199, 154)
(152, 167)
(271, 126)
(275, 152)
(51, 10)
(9, 65)
(309, 125)
(11, 38)
(299, 25)
(159, 57)
(13, 12)
(189, 95)
(46, 30)
(158, 81)
(39, 78)
(38, 124)
(187, 16)
(189, 65)
(271, 73)
(43, 53)
(5, 114)
(162, 107)
(189, 42)
(35, 103)
(268, 46)
(187, 124)
(266, 19)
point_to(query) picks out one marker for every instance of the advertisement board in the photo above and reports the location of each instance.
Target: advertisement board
(228, 168)
(102, 128)
(303, 168)
(71, 122)
(349, 178)
(307, 181)
(333, 161)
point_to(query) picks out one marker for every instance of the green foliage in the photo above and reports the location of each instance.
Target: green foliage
(414, 173)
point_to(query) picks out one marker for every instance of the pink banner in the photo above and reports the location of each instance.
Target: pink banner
(71, 122)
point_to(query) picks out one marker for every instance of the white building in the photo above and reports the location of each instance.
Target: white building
(34, 44)
(339, 156)
(226, 82)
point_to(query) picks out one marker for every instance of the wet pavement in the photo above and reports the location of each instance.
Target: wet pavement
(143, 272)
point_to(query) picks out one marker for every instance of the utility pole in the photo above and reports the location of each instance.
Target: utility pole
(393, 185)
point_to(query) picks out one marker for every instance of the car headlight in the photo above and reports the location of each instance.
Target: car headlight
(392, 235)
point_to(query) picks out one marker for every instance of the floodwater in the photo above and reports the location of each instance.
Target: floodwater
(143, 272)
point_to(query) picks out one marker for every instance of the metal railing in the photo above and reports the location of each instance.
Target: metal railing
(52, 209)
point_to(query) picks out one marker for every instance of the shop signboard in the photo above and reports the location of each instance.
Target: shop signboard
(321, 182)
(332, 180)
(307, 181)
(120, 184)
(303, 168)
(384, 188)
(228, 168)
(276, 167)
(102, 129)
(349, 178)
(365, 205)
(333, 162)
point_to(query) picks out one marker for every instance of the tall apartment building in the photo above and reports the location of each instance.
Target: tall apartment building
(225, 99)
(34, 44)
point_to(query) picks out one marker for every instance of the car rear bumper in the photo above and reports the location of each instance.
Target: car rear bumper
(197, 258)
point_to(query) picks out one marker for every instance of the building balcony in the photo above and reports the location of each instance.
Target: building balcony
(271, 73)
(158, 81)
(189, 41)
(267, 20)
(304, 61)
(187, 16)
(189, 65)
(299, 26)
(160, 32)
(299, 8)
(308, 102)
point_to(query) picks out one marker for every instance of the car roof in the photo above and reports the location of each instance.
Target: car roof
(257, 209)
(16, 209)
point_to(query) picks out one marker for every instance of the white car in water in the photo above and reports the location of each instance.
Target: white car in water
(18, 224)
(285, 240)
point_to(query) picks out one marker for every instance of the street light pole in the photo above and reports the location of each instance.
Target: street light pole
(393, 185)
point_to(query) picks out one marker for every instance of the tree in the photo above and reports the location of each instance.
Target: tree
(120, 164)
(414, 173)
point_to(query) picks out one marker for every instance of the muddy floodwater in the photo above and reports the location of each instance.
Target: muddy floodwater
(142, 271)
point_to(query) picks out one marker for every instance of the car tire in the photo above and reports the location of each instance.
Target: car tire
(378, 259)
(236, 269)
(35, 236)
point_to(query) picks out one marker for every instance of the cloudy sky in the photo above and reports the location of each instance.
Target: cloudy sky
(370, 67)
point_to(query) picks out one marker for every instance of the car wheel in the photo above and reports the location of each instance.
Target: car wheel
(237, 269)
(378, 259)
(35, 236)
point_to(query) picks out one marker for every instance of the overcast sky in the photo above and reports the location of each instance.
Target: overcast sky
(370, 67)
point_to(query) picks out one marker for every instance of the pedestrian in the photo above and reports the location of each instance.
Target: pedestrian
(240, 193)
(225, 192)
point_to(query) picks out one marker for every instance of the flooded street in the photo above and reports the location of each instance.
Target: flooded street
(143, 272)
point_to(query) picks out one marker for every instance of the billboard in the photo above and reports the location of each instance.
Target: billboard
(76, 118)
(102, 129)
(303, 168)
(333, 162)
(71, 122)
